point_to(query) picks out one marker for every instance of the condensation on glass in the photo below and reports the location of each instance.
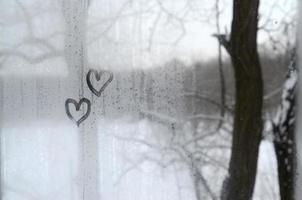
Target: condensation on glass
(121, 99)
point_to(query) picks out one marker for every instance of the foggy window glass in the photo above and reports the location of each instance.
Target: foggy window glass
(148, 99)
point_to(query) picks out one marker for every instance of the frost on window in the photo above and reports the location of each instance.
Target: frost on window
(148, 99)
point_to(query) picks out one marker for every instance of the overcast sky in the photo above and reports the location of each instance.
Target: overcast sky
(171, 29)
(123, 34)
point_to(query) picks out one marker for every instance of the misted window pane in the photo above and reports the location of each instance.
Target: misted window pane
(148, 99)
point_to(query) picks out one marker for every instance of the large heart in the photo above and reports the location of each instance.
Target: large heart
(103, 79)
(77, 107)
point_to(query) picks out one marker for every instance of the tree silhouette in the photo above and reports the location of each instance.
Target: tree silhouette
(247, 130)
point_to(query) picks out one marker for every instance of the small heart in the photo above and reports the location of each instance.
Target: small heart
(106, 77)
(77, 107)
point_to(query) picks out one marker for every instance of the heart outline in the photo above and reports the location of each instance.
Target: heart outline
(98, 75)
(77, 106)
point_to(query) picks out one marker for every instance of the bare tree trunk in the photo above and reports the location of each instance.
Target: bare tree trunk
(248, 124)
(298, 135)
(220, 67)
(284, 137)
(285, 153)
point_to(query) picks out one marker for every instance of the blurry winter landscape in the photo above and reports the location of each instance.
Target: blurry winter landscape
(157, 131)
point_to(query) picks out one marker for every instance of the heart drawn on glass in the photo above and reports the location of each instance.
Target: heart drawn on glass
(103, 79)
(78, 105)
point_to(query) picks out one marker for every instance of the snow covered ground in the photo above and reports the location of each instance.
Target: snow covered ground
(40, 161)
